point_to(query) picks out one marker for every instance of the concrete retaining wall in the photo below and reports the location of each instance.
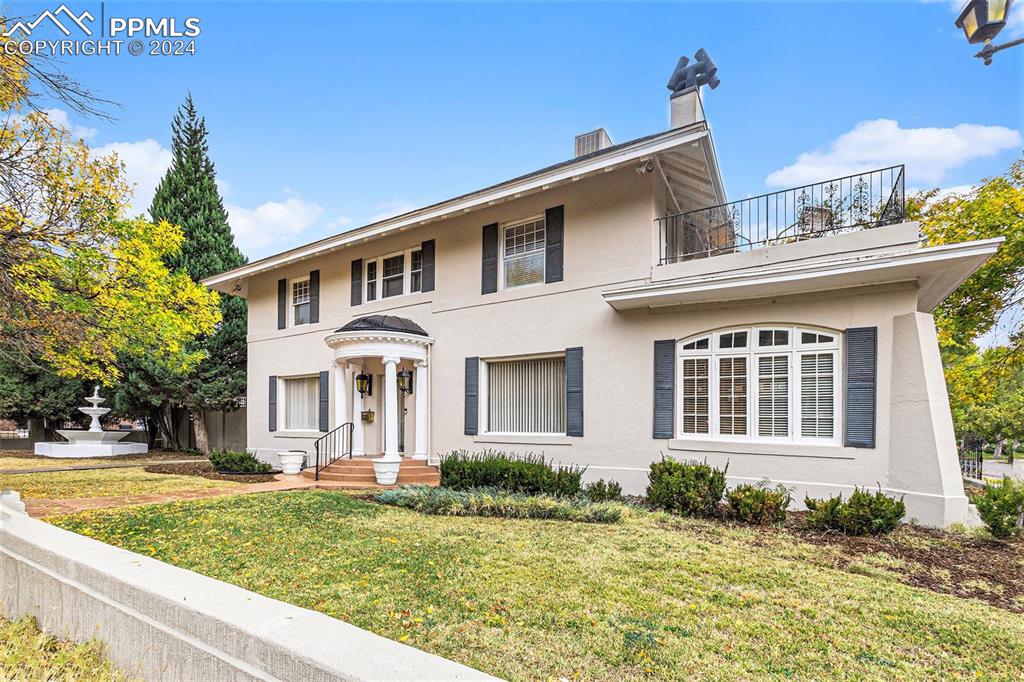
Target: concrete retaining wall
(161, 622)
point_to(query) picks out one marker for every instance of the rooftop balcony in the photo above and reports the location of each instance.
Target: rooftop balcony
(849, 204)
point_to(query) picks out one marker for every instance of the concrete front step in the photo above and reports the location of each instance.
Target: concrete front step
(358, 472)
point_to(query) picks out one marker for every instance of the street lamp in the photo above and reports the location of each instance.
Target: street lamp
(981, 21)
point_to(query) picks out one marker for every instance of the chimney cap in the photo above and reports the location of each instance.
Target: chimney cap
(688, 76)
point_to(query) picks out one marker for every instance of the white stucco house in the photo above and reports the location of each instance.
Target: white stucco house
(617, 307)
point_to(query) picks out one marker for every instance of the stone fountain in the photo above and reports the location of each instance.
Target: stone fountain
(94, 442)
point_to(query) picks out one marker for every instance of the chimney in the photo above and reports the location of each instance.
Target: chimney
(685, 104)
(591, 142)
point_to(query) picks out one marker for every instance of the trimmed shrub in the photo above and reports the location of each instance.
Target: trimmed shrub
(496, 503)
(688, 488)
(527, 474)
(760, 504)
(235, 462)
(599, 491)
(1001, 507)
(863, 514)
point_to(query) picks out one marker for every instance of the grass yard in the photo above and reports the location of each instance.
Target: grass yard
(62, 485)
(17, 459)
(28, 654)
(654, 597)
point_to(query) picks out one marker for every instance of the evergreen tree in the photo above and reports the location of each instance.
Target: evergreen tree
(187, 196)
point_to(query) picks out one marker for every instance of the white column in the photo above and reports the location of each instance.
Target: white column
(358, 449)
(391, 415)
(421, 390)
(340, 393)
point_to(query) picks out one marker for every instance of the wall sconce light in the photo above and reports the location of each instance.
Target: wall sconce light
(405, 381)
(364, 384)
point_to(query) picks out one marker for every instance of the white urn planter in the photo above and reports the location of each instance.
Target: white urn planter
(291, 462)
(386, 469)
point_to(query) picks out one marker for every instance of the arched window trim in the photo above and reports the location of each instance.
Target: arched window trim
(732, 376)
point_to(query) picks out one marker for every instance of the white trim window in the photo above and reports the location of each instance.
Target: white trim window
(301, 408)
(300, 301)
(523, 252)
(772, 383)
(396, 274)
(525, 396)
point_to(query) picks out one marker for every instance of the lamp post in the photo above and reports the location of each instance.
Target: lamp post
(981, 21)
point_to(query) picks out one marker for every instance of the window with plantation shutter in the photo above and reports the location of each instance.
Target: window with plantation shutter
(773, 396)
(526, 396)
(817, 395)
(753, 383)
(695, 395)
(732, 396)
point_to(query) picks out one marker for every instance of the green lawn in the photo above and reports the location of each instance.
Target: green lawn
(14, 459)
(654, 597)
(28, 654)
(61, 485)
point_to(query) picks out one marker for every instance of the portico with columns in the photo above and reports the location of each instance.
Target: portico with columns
(378, 361)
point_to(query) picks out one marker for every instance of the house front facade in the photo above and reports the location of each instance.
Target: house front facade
(614, 309)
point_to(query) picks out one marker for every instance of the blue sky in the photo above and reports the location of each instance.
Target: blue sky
(325, 116)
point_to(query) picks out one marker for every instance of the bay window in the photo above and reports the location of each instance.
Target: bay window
(761, 383)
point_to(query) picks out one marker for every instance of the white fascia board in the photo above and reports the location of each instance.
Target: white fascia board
(937, 263)
(465, 204)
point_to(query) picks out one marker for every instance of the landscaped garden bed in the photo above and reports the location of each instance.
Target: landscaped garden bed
(204, 469)
(655, 596)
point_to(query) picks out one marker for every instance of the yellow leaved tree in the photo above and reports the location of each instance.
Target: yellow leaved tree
(81, 283)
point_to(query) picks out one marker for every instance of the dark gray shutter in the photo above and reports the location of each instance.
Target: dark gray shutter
(428, 265)
(861, 379)
(314, 296)
(325, 395)
(554, 227)
(472, 395)
(272, 404)
(574, 391)
(664, 388)
(282, 303)
(357, 281)
(489, 274)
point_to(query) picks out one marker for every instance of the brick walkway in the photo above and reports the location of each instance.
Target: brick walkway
(39, 508)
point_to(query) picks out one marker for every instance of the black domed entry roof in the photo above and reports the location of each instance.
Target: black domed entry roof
(386, 323)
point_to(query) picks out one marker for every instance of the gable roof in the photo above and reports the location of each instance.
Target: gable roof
(233, 281)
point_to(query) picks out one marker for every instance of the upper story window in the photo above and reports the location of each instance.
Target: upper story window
(761, 383)
(300, 301)
(522, 259)
(393, 275)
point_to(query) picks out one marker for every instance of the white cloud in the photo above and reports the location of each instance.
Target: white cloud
(338, 223)
(60, 119)
(272, 223)
(929, 153)
(389, 209)
(145, 162)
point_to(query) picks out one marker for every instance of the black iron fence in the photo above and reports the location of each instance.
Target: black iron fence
(333, 446)
(847, 204)
(972, 464)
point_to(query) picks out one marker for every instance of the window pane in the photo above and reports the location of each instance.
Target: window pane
(393, 269)
(371, 281)
(699, 344)
(773, 396)
(524, 270)
(817, 403)
(772, 337)
(416, 271)
(300, 292)
(526, 396)
(301, 400)
(733, 340)
(695, 395)
(732, 396)
(301, 314)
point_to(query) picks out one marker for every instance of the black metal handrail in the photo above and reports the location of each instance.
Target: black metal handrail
(972, 463)
(847, 204)
(332, 446)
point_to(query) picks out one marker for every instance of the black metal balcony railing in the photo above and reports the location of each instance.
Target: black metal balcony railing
(848, 204)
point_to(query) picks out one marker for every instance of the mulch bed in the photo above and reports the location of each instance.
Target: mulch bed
(205, 469)
(960, 565)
